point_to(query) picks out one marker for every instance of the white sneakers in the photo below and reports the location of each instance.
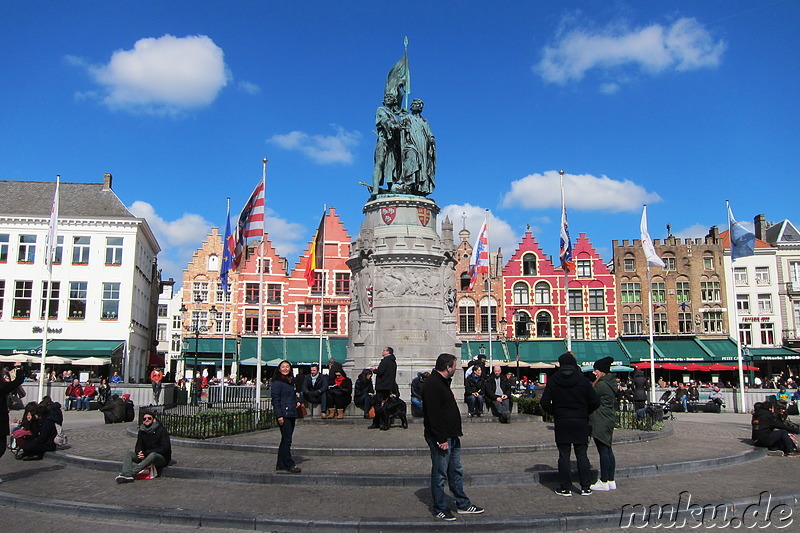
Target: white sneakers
(603, 486)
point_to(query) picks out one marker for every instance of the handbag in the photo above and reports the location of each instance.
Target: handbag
(148, 472)
(371, 412)
(302, 411)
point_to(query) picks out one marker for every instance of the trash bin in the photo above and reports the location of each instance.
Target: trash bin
(181, 397)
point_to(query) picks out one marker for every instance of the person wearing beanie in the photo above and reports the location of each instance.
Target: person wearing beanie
(570, 398)
(602, 422)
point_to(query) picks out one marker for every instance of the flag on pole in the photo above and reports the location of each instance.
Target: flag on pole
(743, 241)
(251, 222)
(316, 256)
(565, 253)
(647, 244)
(479, 261)
(52, 233)
(228, 250)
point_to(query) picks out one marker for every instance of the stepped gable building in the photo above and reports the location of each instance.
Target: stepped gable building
(688, 294)
(785, 237)
(105, 281)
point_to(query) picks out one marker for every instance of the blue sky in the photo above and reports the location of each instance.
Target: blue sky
(680, 105)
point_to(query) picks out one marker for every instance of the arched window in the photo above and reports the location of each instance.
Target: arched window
(544, 324)
(466, 315)
(213, 262)
(521, 295)
(529, 265)
(542, 290)
(464, 278)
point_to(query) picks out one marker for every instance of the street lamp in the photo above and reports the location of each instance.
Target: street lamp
(746, 356)
(196, 328)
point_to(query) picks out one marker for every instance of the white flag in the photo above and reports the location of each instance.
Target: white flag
(51, 241)
(649, 252)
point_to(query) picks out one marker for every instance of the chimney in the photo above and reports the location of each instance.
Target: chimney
(107, 181)
(760, 224)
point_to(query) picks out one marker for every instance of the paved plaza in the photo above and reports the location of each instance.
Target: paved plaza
(355, 479)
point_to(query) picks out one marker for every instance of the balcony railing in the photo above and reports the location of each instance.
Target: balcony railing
(793, 287)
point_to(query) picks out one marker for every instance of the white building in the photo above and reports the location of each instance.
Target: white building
(785, 237)
(104, 275)
(168, 329)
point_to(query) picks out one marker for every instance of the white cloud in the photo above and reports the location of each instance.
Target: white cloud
(321, 148)
(501, 234)
(249, 87)
(696, 231)
(684, 45)
(288, 238)
(582, 191)
(165, 75)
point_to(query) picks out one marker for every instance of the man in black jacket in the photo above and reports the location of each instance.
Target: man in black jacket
(385, 381)
(442, 431)
(152, 447)
(6, 387)
(498, 394)
(569, 396)
(771, 431)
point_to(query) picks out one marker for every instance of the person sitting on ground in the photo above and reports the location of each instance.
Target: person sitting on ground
(130, 409)
(55, 408)
(340, 394)
(315, 388)
(498, 395)
(473, 392)
(770, 431)
(364, 391)
(114, 410)
(44, 440)
(416, 392)
(87, 395)
(73, 394)
(783, 395)
(152, 448)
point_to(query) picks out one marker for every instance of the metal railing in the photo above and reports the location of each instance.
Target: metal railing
(650, 418)
(200, 422)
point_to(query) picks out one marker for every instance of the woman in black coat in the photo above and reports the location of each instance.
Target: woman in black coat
(639, 389)
(364, 391)
(5, 388)
(285, 401)
(340, 393)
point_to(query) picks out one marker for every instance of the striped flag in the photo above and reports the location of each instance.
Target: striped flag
(251, 222)
(317, 255)
(743, 241)
(647, 244)
(479, 262)
(565, 249)
(52, 233)
(228, 250)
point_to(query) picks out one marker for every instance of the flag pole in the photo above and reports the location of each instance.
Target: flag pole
(738, 337)
(52, 242)
(566, 268)
(321, 239)
(489, 299)
(225, 297)
(650, 332)
(260, 266)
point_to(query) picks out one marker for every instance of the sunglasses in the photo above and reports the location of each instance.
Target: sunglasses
(148, 418)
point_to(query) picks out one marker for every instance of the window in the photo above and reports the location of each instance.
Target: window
(55, 293)
(2, 295)
(273, 293)
(631, 323)
(767, 333)
(213, 263)
(631, 292)
(521, 296)
(27, 249)
(161, 332)
(251, 293)
(485, 311)
(305, 317)
(330, 322)
(542, 291)
(708, 262)
(176, 322)
(743, 303)
(584, 268)
(223, 296)
(682, 292)
(114, 251)
(58, 253)
(23, 297)
(466, 316)
(273, 321)
(660, 323)
(342, 284)
(163, 310)
(629, 264)
(712, 322)
(251, 320)
(597, 300)
(659, 292)
(3, 247)
(746, 334)
(316, 288)
(597, 328)
(219, 323)
(669, 262)
(200, 291)
(465, 279)
(77, 300)
(739, 276)
(762, 275)
(575, 300)
(685, 323)
(529, 265)
(521, 321)
(80, 250)
(765, 304)
(176, 344)
(709, 291)
(110, 309)
(544, 324)
(576, 327)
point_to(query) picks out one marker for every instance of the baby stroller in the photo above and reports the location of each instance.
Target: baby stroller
(665, 402)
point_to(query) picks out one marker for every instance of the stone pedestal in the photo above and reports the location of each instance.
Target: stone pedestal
(403, 288)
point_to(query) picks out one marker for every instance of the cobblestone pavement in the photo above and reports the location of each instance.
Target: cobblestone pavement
(696, 436)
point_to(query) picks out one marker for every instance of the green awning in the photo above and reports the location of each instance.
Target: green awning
(501, 351)
(20, 347)
(210, 345)
(79, 349)
(296, 350)
(541, 351)
(722, 349)
(638, 349)
(773, 354)
(591, 351)
(687, 350)
(683, 350)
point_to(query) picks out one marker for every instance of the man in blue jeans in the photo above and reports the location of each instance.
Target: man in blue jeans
(442, 421)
